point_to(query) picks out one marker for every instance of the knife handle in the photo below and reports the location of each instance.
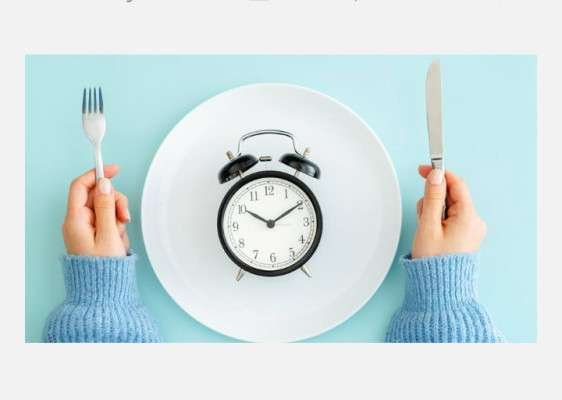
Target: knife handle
(437, 163)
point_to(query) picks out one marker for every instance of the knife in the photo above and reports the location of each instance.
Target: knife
(434, 117)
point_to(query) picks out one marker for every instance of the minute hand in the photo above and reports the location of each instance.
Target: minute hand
(287, 212)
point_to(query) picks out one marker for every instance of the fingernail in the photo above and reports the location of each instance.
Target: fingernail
(104, 185)
(128, 215)
(435, 177)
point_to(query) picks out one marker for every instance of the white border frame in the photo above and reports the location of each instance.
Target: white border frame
(296, 27)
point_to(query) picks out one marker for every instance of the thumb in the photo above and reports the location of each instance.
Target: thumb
(104, 207)
(434, 198)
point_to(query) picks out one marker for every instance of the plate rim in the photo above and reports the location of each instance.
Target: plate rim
(374, 136)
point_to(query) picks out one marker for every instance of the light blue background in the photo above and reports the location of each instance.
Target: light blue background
(489, 121)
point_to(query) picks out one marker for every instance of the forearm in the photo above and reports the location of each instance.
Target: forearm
(441, 303)
(101, 305)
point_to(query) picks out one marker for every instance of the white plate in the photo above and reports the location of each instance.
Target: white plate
(358, 193)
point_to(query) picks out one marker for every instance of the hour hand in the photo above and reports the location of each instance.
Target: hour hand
(256, 216)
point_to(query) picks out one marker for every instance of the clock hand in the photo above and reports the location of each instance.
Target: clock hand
(287, 212)
(256, 216)
(270, 223)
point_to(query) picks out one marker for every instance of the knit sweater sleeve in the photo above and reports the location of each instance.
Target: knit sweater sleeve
(101, 305)
(441, 303)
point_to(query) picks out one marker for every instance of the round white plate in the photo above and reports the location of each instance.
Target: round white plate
(358, 193)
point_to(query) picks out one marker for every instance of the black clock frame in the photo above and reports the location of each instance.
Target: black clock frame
(315, 205)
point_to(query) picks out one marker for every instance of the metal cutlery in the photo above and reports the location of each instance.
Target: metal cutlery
(434, 117)
(93, 122)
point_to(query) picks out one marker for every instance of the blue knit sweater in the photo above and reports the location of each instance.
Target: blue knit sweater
(440, 303)
(102, 303)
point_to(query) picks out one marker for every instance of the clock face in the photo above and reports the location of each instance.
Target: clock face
(270, 223)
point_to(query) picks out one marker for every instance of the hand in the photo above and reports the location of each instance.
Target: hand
(462, 230)
(256, 216)
(287, 212)
(95, 223)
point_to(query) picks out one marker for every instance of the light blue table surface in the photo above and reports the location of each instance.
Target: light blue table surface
(489, 122)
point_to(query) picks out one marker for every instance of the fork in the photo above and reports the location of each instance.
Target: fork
(93, 122)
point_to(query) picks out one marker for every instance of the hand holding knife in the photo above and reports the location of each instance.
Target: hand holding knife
(434, 118)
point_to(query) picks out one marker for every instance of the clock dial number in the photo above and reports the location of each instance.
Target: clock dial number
(241, 243)
(301, 239)
(305, 221)
(256, 252)
(292, 253)
(235, 226)
(254, 195)
(272, 257)
(269, 189)
(241, 208)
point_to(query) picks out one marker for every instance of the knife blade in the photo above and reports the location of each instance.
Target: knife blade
(433, 113)
(435, 119)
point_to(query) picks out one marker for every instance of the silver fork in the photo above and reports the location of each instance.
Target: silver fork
(93, 122)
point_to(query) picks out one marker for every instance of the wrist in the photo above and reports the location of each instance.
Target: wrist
(92, 279)
(440, 281)
(115, 252)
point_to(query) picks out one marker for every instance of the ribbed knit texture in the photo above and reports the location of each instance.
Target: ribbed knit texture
(101, 305)
(440, 303)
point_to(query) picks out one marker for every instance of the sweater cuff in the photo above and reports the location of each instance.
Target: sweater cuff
(99, 279)
(440, 281)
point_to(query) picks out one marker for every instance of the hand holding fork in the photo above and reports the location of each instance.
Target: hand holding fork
(97, 216)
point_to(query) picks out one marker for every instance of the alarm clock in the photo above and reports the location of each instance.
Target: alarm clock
(269, 222)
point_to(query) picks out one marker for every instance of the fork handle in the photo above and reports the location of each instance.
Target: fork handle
(99, 163)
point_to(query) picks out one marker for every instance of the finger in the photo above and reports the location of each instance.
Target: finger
(122, 229)
(453, 211)
(104, 208)
(126, 243)
(457, 190)
(419, 207)
(122, 206)
(424, 170)
(434, 199)
(448, 200)
(81, 186)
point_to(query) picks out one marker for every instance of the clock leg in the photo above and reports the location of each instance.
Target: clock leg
(239, 274)
(306, 271)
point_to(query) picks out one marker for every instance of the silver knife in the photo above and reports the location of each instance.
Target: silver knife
(434, 118)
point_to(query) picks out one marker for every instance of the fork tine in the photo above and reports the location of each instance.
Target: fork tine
(95, 100)
(90, 100)
(101, 101)
(84, 102)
